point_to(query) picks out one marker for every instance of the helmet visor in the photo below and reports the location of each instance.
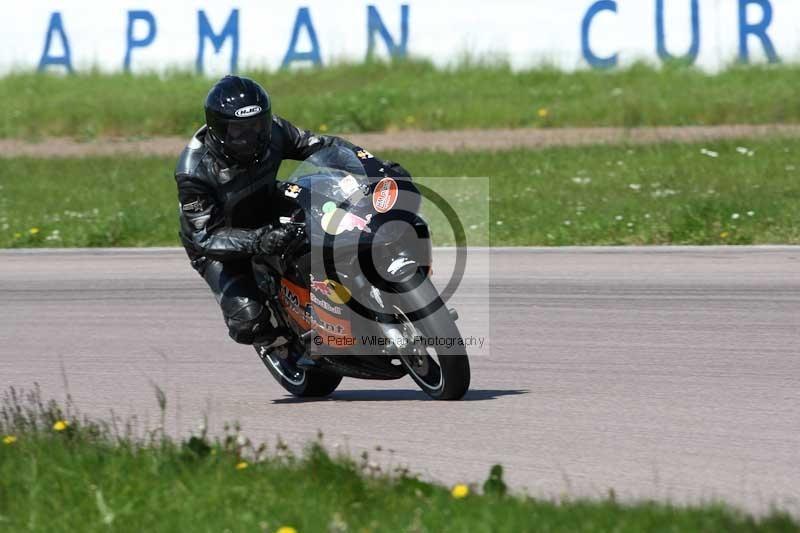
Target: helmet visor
(246, 139)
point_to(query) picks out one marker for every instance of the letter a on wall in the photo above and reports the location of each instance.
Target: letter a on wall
(56, 28)
(303, 20)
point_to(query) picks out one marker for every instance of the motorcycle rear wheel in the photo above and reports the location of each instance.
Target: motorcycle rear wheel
(299, 382)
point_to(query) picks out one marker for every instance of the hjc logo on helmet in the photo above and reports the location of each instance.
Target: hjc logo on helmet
(249, 111)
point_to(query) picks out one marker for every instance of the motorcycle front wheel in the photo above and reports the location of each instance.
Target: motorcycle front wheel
(434, 355)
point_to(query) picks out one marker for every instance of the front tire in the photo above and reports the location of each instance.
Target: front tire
(442, 372)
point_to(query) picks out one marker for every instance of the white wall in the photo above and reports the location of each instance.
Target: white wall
(526, 32)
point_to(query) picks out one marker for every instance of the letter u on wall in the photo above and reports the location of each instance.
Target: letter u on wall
(661, 45)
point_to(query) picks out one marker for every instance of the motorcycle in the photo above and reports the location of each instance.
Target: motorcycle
(352, 290)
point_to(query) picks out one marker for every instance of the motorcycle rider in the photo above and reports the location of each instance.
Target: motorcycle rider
(226, 182)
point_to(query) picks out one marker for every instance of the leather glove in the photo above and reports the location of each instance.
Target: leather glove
(274, 241)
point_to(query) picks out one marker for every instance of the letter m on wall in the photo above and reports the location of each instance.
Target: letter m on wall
(375, 26)
(204, 30)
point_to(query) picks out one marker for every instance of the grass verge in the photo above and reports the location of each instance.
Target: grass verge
(378, 97)
(720, 193)
(60, 472)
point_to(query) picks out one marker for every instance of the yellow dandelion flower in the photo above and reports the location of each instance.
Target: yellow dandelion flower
(241, 465)
(33, 231)
(724, 234)
(9, 439)
(460, 491)
(17, 235)
(543, 112)
(323, 128)
(286, 529)
(61, 425)
(410, 119)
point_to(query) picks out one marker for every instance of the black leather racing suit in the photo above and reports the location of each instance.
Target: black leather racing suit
(226, 209)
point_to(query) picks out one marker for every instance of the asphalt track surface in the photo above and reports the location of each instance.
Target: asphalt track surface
(661, 373)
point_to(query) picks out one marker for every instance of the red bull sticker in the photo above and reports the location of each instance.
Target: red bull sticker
(335, 292)
(385, 195)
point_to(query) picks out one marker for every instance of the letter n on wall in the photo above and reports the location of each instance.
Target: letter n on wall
(375, 26)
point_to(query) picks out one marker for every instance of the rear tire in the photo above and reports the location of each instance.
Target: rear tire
(299, 382)
(452, 381)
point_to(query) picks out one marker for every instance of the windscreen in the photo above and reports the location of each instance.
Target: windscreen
(336, 172)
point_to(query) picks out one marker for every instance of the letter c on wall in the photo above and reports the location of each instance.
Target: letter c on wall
(590, 57)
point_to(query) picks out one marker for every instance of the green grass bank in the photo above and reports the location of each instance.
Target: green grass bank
(380, 97)
(61, 472)
(716, 193)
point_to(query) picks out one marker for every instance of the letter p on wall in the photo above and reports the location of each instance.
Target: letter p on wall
(144, 19)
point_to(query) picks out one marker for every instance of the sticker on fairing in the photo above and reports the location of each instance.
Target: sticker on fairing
(297, 302)
(349, 185)
(292, 191)
(336, 221)
(385, 195)
(335, 292)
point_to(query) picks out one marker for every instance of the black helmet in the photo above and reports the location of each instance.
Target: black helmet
(239, 119)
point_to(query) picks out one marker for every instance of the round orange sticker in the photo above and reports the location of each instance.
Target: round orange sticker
(385, 195)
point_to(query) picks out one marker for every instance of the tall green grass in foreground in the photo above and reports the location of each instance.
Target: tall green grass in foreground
(61, 472)
(377, 97)
(721, 193)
